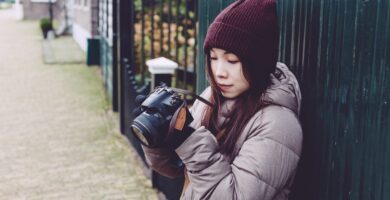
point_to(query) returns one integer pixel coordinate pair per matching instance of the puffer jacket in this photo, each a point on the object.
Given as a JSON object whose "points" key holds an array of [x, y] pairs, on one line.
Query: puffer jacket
{"points": [[266, 154]]}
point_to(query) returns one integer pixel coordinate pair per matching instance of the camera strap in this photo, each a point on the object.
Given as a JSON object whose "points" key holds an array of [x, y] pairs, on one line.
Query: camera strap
{"points": [[182, 117], [186, 92]]}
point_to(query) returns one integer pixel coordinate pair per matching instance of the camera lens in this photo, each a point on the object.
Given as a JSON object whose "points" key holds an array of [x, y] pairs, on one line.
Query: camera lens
{"points": [[150, 126], [144, 129], [139, 134]]}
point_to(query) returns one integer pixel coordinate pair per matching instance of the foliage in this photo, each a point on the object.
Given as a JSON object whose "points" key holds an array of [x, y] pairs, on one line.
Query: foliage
{"points": [[45, 24], [169, 29]]}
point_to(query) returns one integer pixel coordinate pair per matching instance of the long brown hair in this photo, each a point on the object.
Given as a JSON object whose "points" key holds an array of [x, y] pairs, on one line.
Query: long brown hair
{"points": [[245, 106]]}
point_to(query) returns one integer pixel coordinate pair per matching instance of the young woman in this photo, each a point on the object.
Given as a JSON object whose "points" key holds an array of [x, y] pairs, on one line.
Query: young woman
{"points": [[248, 145]]}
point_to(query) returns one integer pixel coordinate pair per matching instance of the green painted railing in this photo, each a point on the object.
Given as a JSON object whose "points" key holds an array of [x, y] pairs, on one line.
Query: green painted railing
{"points": [[106, 48], [340, 52], [106, 64]]}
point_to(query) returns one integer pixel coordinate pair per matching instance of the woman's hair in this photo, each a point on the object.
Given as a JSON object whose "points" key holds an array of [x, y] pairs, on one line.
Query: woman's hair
{"points": [[245, 106]]}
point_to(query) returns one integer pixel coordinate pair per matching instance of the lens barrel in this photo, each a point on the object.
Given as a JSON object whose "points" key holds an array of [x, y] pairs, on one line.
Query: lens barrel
{"points": [[139, 132], [144, 127]]}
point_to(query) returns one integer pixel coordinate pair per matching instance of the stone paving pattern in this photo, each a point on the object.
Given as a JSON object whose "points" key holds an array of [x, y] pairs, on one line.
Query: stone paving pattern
{"points": [[58, 139]]}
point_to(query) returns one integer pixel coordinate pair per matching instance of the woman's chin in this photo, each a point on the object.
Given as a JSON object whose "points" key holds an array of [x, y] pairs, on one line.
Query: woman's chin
{"points": [[228, 95]]}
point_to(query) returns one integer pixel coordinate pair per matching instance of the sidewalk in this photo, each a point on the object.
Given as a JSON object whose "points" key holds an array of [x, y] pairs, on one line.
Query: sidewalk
{"points": [[62, 50], [57, 138]]}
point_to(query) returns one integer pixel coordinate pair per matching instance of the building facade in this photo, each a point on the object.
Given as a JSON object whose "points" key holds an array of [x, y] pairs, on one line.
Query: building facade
{"points": [[84, 15], [38, 9]]}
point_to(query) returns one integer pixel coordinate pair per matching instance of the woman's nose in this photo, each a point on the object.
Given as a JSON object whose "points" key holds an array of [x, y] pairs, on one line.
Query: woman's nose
{"points": [[220, 70]]}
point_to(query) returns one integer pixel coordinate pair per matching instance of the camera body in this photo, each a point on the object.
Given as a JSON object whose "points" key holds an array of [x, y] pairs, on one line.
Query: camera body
{"points": [[152, 125]]}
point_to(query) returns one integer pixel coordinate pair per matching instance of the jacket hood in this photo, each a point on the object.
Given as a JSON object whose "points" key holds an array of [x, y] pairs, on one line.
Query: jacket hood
{"points": [[284, 90]]}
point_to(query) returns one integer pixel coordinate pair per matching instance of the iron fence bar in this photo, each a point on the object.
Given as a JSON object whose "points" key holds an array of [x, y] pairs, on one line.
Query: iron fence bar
{"points": [[169, 28], [115, 68], [142, 65], [195, 43], [126, 32], [161, 28], [152, 32], [177, 30], [186, 35]]}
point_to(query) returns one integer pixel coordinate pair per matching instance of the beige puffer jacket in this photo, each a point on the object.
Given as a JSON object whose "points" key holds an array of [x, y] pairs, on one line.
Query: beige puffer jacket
{"points": [[265, 158]]}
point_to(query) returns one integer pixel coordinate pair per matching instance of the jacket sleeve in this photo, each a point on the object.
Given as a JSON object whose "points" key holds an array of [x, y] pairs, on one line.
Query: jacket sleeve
{"points": [[163, 160], [264, 165]]}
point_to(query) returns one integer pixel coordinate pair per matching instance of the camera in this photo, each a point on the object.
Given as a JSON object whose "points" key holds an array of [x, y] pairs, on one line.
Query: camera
{"points": [[152, 125]]}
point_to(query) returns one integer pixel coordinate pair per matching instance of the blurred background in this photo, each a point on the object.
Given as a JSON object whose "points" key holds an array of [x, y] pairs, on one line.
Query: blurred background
{"points": [[339, 51]]}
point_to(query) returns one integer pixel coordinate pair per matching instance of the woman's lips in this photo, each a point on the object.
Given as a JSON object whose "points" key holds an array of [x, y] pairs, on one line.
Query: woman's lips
{"points": [[224, 87]]}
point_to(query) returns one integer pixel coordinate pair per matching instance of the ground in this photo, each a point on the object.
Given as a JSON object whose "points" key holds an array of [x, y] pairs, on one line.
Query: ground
{"points": [[58, 138]]}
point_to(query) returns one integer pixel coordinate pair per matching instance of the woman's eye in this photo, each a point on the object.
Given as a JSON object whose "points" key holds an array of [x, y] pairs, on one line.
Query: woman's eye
{"points": [[213, 58], [233, 61]]}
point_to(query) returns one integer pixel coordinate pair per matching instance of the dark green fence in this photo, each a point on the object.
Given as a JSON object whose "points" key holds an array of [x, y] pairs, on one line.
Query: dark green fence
{"points": [[340, 52], [107, 33]]}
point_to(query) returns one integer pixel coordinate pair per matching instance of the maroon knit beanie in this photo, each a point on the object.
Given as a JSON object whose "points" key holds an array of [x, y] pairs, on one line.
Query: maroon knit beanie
{"points": [[249, 29]]}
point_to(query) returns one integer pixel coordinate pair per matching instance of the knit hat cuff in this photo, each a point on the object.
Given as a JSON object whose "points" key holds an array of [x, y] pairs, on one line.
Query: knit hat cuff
{"points": [[229, 38]]}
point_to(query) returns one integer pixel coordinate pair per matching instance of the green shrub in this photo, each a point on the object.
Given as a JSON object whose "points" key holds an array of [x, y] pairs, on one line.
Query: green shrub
{"points": [[46, 24]]}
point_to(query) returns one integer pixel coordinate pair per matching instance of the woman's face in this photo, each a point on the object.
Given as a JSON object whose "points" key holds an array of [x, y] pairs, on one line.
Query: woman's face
{"points": [[227, 72]]}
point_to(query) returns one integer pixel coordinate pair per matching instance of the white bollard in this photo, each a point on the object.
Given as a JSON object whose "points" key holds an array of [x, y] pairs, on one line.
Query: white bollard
{"points": [[161, 70]]}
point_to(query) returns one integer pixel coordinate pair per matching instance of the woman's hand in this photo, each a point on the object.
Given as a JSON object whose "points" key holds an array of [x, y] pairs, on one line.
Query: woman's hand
{"points": [[179, 129]]}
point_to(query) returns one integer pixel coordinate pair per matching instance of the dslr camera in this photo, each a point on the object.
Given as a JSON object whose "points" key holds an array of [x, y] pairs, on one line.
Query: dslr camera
{"points": [[151, 127]]}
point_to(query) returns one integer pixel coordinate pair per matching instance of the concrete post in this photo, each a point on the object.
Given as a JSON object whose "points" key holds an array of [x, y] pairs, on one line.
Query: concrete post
{"points": [[161, 70]]}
